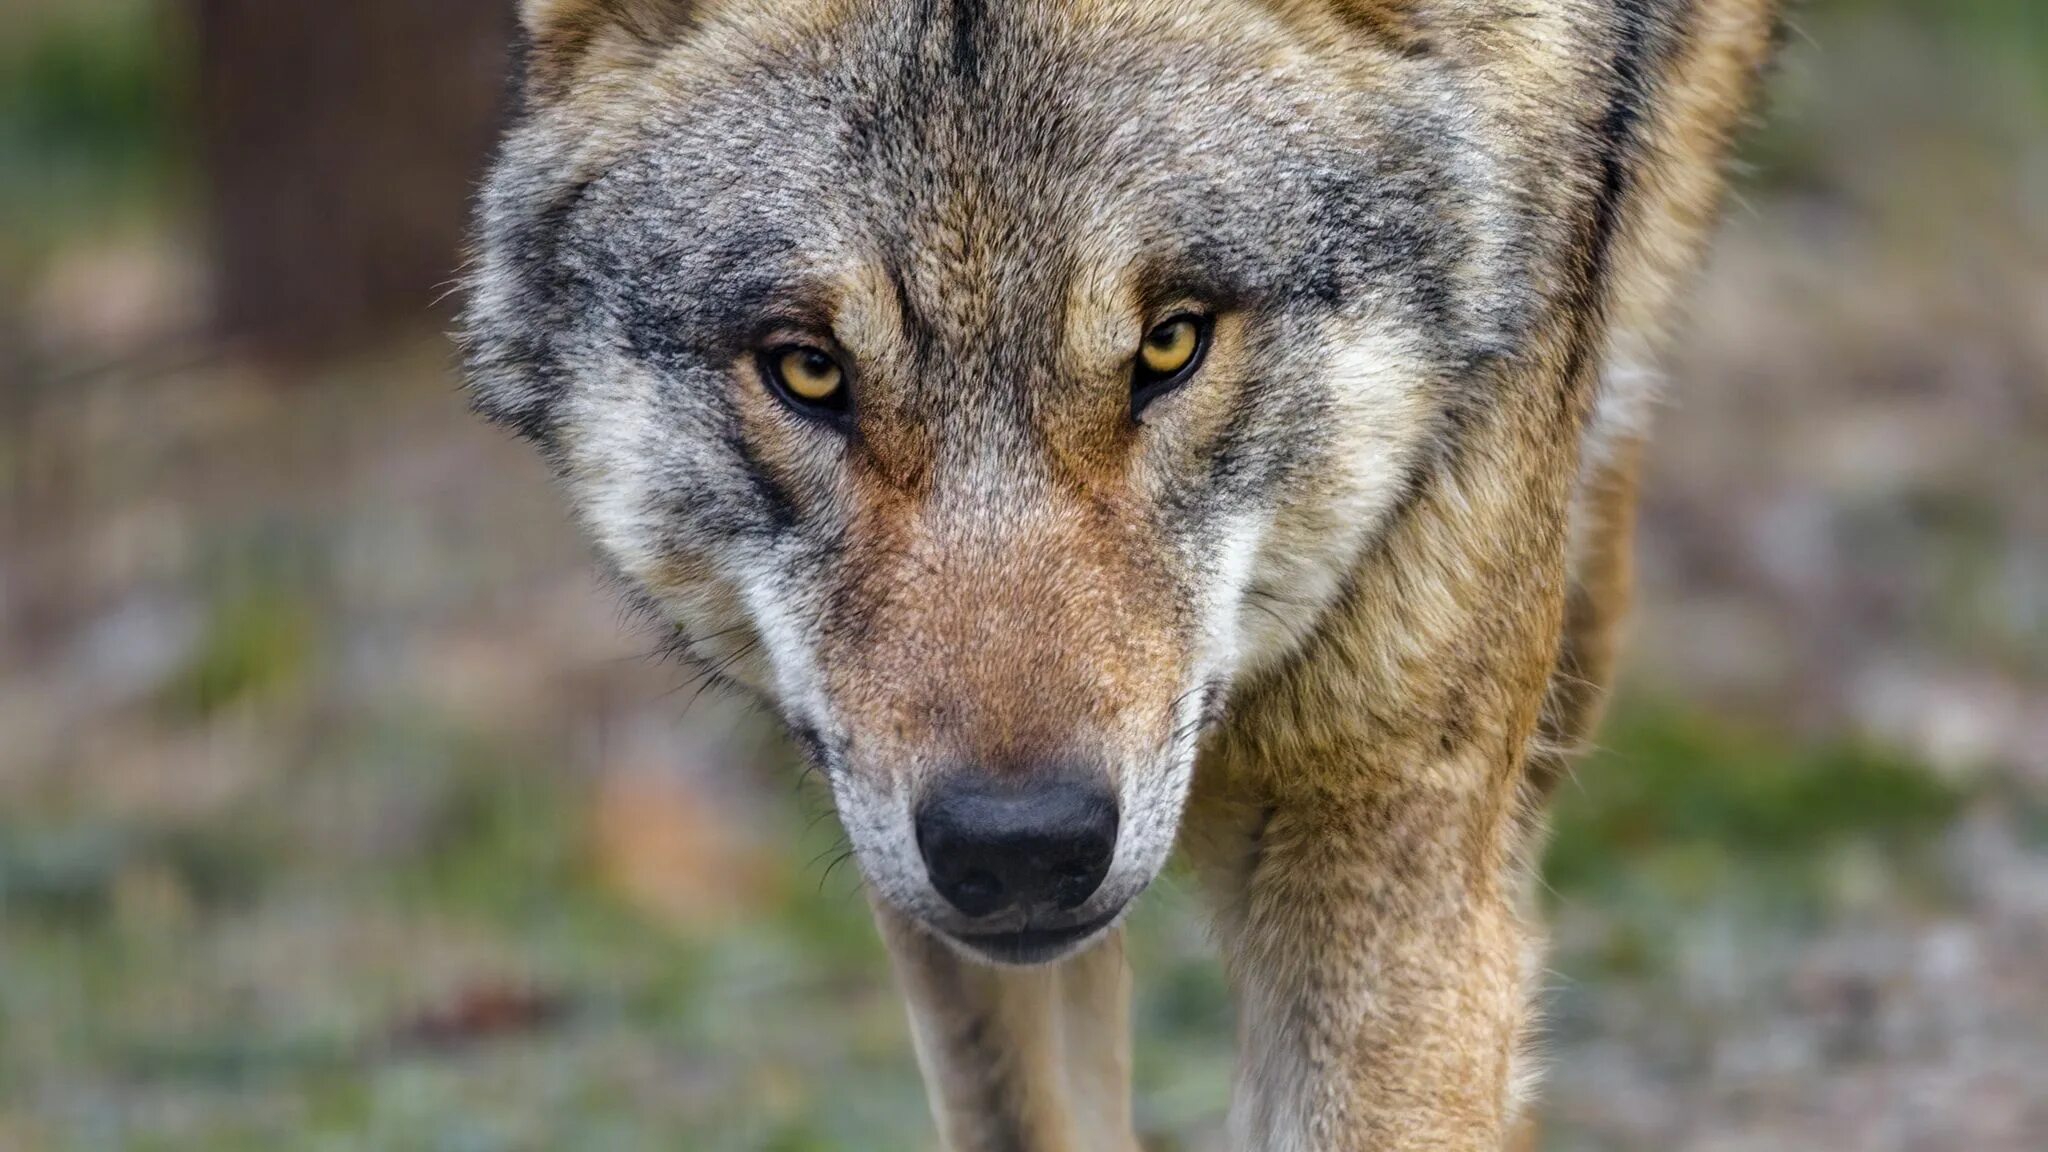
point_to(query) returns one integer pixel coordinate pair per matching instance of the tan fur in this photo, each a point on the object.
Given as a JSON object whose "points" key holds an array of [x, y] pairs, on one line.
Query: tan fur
{"points": [[1603, 572], [1357, 814]]}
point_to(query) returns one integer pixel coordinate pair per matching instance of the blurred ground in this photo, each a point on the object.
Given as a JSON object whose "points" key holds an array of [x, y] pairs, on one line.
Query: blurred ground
{"points": [[339, 809]]}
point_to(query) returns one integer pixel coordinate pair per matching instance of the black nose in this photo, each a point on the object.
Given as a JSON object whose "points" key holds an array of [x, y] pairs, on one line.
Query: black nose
{"points": [[994, 846]]}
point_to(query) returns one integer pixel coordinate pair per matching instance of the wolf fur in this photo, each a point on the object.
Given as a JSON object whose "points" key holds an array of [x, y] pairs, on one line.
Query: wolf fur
{"points": [[1327, 618]]}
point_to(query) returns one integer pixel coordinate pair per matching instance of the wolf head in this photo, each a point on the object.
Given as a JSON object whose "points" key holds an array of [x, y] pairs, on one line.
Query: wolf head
{"points": [[986, 386]]}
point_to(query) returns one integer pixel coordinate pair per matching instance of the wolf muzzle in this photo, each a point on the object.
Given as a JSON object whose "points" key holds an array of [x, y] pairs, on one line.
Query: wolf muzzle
{"points": [[1019, 856]]}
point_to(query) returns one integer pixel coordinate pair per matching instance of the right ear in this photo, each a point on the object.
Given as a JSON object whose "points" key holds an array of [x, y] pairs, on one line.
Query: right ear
{"points": [[563, 35]]}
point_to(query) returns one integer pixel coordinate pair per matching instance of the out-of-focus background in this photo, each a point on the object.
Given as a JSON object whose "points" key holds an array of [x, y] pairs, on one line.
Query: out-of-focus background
{"points": [[339, 809]]}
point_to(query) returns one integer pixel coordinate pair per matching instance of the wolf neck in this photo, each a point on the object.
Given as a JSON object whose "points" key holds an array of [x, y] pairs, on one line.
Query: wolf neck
{"points": [[1430, 672], [1423, 685]]}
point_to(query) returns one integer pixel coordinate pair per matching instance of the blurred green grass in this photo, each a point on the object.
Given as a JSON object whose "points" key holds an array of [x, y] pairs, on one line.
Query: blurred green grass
{"points": [[1683, 799], [246, 981]]}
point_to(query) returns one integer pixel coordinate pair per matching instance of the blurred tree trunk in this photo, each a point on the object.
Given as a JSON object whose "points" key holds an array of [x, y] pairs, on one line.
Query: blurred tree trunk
{"points": [[341, 142]]}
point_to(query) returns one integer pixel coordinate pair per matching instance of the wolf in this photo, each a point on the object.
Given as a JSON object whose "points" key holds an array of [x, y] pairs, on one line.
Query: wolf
{"points": [[1102, 427]]}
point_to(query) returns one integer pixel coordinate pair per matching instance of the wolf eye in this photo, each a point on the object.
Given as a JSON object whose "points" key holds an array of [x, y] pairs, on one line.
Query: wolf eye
{"points": [[807, 378], [1168, 358]]}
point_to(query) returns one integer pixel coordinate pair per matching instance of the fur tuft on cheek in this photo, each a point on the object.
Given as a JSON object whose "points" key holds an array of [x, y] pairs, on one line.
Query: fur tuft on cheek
{"points": [[1382, 425]]}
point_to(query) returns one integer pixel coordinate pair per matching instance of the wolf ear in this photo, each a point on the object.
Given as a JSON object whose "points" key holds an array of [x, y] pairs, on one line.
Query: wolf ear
{"points": [[542, 16], [562, 34]]}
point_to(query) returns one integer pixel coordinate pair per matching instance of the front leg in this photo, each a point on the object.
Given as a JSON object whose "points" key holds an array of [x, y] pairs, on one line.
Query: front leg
{"points": [[1020, 1059], [1379, 967]]}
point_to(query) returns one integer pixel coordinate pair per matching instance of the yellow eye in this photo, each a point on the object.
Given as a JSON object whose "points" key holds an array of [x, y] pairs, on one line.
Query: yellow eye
{"points": [[808, 376], [1167, 359], [1171, 346]]}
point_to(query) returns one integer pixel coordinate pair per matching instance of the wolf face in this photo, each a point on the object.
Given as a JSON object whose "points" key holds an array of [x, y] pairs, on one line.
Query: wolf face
{"points": [[986, 386]]}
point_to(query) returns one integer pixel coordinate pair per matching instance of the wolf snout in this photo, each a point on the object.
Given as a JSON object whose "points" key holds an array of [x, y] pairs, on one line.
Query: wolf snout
{"points": [[998, 846]]}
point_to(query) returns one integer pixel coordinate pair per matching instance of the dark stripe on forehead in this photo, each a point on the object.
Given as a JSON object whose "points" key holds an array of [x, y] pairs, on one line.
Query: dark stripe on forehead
{"points": [[963, 23], [967, 26]]}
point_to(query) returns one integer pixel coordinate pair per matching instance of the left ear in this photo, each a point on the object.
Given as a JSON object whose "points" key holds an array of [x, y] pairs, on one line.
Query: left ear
{"points": [[563, 35]]}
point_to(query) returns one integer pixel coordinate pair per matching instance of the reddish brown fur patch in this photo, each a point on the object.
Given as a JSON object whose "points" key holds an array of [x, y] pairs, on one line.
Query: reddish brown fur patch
{"points": [[1002, 648]]}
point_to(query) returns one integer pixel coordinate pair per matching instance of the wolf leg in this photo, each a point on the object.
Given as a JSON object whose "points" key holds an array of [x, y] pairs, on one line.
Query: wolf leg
{"points": [[1016, 1059], [1602, 579], [1379, 975]]}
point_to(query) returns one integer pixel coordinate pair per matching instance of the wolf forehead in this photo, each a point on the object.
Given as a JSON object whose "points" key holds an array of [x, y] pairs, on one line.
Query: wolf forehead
{"points": [[676, 198]]}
